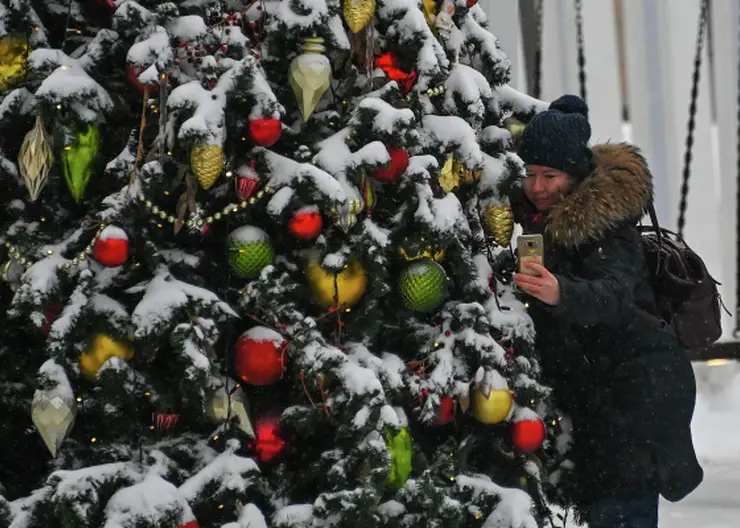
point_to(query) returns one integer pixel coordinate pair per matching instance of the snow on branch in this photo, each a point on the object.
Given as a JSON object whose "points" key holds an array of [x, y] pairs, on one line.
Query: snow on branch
{"points": [[285, 171], [163, 295], [69, 85], [228, 472]]}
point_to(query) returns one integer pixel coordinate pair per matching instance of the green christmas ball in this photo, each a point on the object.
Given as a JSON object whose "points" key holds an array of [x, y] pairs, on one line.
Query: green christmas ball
{"points": [[400, 447], [250, 251], [423, 285]]}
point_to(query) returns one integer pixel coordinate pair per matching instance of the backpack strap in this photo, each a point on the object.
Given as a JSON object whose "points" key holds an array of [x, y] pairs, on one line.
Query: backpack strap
{"points": [[656, 225]]}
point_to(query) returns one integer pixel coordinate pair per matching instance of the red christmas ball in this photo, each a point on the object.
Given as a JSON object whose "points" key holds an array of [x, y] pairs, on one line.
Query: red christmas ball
{"points": [[265, 132], [528, 435], [306, 223], [398, 164], [190, 524], [132, 74], [268, 443], [446, 412], [111, 247], [258, 359]]}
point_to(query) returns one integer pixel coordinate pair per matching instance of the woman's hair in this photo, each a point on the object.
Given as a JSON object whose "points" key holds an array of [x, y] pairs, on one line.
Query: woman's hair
{"points": [[558, 138]]}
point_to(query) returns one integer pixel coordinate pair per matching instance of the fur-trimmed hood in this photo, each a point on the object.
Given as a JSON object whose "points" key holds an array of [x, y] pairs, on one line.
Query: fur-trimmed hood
{"points": [[619, 189]]}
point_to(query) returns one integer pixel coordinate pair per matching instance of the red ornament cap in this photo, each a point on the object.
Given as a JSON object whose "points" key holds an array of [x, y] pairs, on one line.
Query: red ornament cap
{"points": [[528, 435], [111, 247], [265, 132], [306, 223], [397, 166]]}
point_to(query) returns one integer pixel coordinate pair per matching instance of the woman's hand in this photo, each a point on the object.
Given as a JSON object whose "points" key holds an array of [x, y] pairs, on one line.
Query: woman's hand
{"points": [[545, 287]]}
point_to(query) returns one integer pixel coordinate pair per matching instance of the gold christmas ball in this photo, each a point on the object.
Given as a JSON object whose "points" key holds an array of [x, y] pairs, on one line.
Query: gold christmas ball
{"points": [[101, 350], [499, 222], [495, 408], [13, 52], [358, 13], [340, 290], [207, 162]]}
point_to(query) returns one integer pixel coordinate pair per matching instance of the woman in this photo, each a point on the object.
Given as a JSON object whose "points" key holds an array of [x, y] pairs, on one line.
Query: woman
{"points": [[615, 369]]}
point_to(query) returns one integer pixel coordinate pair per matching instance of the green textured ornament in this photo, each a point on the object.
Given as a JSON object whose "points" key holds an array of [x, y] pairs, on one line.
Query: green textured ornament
{"points": [[250, 251], [423, 285], [78, 160], [400, 446]]}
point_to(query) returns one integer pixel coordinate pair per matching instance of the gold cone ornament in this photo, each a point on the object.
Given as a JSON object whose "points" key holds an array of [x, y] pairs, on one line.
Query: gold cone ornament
{"points": [[207, 162], [499, 222], [53, 414], [13, 55], [310, 75], [336, 290], [358, 13], [35, 159], [225, 405], [454, 174]]}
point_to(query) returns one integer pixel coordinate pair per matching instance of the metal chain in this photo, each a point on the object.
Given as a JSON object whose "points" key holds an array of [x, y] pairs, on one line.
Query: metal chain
{"points": [[703, 19], [537, 88], [581, 51]]}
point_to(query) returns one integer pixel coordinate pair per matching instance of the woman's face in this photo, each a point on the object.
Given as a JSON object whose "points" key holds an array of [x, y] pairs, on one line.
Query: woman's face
{"points": [[545, 186]]}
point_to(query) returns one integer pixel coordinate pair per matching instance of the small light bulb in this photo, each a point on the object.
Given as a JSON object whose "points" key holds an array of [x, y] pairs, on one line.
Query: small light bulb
{"points": [[93, 440]]}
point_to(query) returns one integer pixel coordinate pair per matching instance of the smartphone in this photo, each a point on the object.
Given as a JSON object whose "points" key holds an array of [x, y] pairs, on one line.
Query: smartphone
{"points": [[530, 248]]}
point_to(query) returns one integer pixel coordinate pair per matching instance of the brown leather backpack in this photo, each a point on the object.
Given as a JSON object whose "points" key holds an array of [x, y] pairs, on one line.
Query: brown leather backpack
{"points": [[686, 294]]}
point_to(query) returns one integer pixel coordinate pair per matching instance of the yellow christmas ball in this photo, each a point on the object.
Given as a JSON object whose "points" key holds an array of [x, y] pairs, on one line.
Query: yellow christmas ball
{"points": [[207, 162], [101, 350], [340, 290], [495, 408]]}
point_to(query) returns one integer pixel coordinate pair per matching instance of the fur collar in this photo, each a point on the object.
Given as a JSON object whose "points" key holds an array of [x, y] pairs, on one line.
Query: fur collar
{"points": [[619, 189]]}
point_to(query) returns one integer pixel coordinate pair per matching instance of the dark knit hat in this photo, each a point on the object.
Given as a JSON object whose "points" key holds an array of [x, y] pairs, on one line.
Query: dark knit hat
{"points": [[558, 138]]}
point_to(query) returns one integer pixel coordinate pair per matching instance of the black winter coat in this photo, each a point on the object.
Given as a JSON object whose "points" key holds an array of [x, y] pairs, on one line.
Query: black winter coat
{"points": [[623, 378]]}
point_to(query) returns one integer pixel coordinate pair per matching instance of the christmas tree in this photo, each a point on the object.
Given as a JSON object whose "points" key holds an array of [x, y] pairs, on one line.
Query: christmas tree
{"points": [[256, 268]]}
